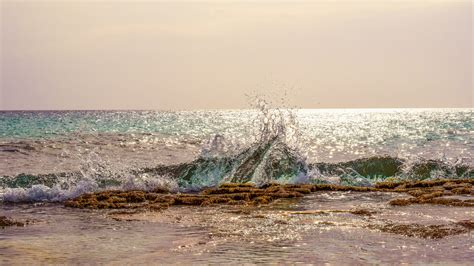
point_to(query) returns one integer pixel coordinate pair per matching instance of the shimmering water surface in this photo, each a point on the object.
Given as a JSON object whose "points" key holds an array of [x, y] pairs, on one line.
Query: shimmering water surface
{"points": [[279, 233], [112, 144], [49, 156]]}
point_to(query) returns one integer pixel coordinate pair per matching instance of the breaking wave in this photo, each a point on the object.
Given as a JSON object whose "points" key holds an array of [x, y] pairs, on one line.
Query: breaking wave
{"points": [[260, 165]]}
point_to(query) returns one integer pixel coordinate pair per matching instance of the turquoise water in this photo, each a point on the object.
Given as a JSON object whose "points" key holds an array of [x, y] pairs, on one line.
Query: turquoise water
{"points": [[53, 155], [49, 124], [430, 124]]}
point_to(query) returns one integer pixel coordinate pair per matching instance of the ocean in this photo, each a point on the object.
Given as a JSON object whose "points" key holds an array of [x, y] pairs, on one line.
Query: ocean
{"points": [[53, 151], [48, 157]]}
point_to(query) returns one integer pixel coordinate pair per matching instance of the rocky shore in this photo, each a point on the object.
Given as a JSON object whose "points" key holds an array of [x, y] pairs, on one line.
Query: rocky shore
{"points": [[248, 199], [439, 192], [6, 221]]}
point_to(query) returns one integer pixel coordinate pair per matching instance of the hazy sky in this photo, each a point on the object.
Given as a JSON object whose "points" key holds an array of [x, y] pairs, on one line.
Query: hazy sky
{"points": [[206, 55]]}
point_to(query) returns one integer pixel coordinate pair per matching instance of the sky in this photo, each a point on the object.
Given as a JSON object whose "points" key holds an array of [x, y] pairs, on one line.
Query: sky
{"points": [[177, 55]]}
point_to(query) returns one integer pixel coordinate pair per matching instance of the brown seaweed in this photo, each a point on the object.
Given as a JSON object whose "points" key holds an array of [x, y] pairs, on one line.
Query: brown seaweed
{"points": [[5, 221], [421, 192]]}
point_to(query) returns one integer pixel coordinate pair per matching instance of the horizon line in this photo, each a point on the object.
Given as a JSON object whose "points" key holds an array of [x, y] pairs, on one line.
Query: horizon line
{"points": [[230, 109]]}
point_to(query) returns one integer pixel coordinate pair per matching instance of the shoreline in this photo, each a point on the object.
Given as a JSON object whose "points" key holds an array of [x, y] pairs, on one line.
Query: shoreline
{"points": [[322, 226], [277, 223]]}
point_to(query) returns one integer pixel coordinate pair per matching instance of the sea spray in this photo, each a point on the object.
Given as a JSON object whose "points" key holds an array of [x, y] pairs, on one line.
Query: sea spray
{"points": [[272, 157]]}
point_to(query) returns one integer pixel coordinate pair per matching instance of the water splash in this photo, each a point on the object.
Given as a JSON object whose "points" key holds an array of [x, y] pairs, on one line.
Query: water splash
{"points": [[96, 173], [274, 156]]}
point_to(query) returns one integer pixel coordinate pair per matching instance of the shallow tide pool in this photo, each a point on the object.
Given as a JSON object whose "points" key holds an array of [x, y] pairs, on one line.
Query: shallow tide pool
{"points": [[319, 228]]}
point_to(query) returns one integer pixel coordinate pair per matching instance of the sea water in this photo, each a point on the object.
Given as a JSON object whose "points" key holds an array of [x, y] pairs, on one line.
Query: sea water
{"points": [[48, 154], [47, 157]]}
